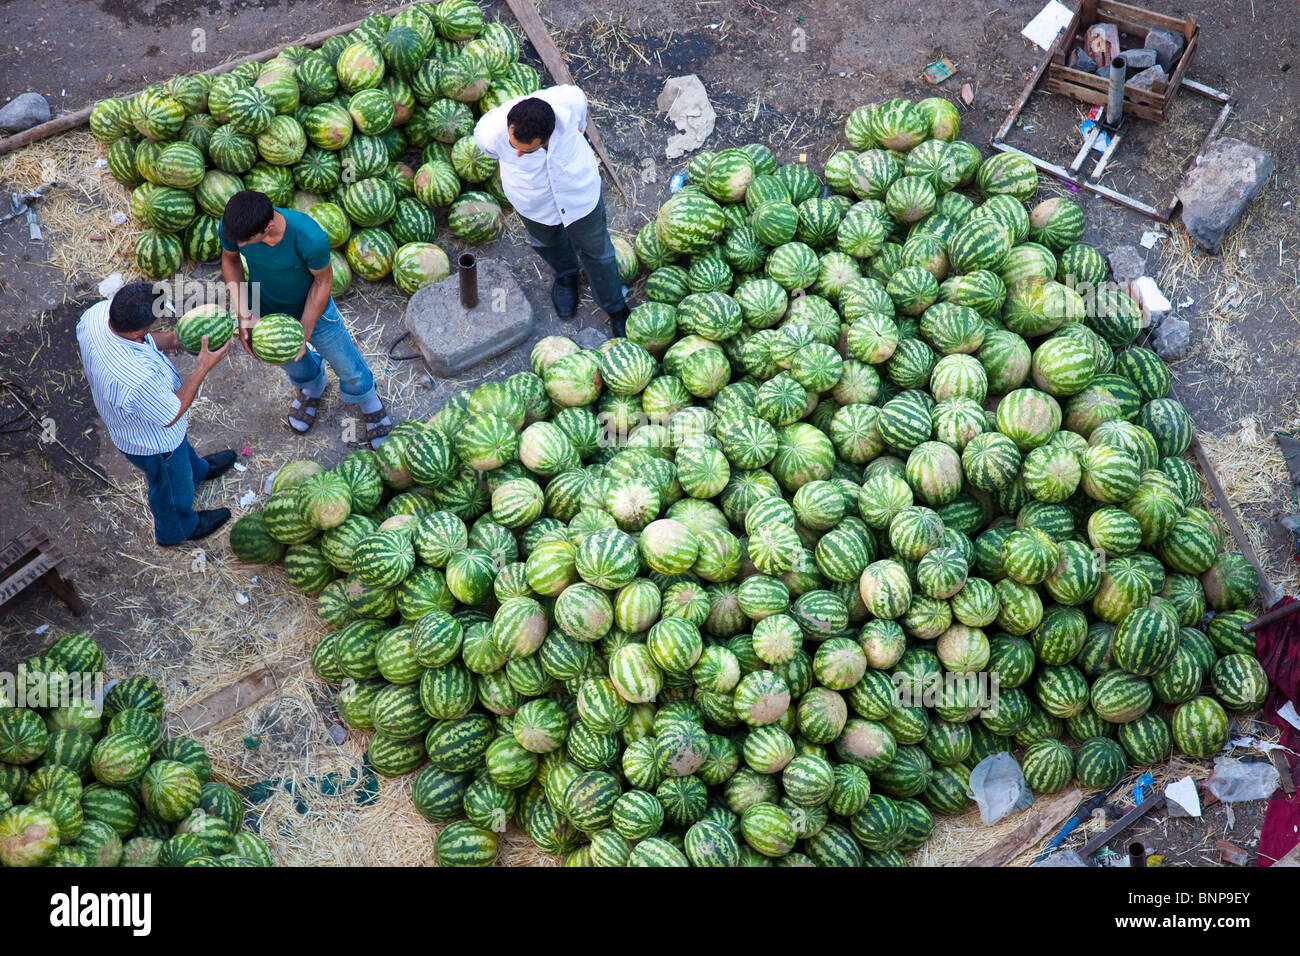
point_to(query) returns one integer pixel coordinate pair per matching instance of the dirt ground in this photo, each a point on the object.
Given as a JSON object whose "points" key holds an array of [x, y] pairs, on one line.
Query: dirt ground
{"points": [[777, 72]]}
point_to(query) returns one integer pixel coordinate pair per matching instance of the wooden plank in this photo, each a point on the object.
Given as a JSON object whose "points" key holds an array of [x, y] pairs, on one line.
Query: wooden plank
{"points": [[1112, 8], [1131, 93], [1180, 72], [20, 547], [62, 124], [225, 703], [553, 60], [18, 582], [1099, 98], [1266, 590], [1030, 832]]}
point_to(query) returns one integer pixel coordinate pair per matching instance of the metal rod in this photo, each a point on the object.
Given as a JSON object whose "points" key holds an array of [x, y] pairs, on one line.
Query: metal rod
{"points": [[1137, 855], [468, 271], [1122, 824], [1115, 94], [1276, 614]]}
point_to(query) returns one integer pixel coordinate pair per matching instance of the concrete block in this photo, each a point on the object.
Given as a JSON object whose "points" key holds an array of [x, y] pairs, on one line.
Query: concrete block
{"points": [[1167, 45], [452, 338], [1217, 190]]}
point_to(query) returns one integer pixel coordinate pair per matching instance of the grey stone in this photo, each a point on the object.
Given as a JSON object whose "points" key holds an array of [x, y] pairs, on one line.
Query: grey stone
{"points": [[1167, 46], [1137, 60], [590, 338], [1173, 338], [1147, 78], [1216, 191], [23, 112], [1079, 60], [1126, 264], [452, 338]]}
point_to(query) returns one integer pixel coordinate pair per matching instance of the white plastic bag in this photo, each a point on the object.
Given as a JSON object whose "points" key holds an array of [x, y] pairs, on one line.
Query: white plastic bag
{"points": [[999, 787]]}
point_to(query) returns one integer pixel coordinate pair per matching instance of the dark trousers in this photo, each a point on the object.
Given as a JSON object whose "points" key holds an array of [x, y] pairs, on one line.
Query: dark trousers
{"points": [[586, 241], [172, 478]]}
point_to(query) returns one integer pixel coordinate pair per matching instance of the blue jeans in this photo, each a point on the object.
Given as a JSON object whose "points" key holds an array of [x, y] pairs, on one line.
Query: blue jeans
{"points": [[172, 478], [586, 239], [331, 341]]}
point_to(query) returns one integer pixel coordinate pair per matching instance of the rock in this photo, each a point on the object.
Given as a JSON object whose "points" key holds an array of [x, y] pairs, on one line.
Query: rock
{"points": [[1172, 340], [1216, 191], [1102, 42], [687, 104], [1079, 60], [23, 112], [452, 338], [1167, 46], [1147, 78], [590, 338], [1127, 263], [1137, 60]]}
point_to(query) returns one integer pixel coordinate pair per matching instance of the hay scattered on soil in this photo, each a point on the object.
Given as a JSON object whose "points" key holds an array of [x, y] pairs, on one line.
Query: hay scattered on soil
{"points": [[76, 217]]}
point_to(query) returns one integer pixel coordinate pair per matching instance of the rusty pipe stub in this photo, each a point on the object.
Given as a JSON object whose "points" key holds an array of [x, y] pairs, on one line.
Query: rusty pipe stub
{"points": [[467, 267], [1137, 855]]}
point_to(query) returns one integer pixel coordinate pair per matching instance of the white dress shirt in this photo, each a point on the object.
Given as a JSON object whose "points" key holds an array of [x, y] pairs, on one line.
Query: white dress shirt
{"points": [[558, 183], [133, 384]]}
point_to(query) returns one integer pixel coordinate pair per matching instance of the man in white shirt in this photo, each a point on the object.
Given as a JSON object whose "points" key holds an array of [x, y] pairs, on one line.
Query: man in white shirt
{"points": [[551, 177], [143, 403]]}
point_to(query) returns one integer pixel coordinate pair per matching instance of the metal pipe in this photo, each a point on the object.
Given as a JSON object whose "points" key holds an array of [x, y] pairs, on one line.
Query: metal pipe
{"points": [[1115, 103], [468, 270], [1137, 855]]}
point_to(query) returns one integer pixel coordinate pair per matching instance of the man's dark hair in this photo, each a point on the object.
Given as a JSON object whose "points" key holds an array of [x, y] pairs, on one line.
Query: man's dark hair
{"points": [[247, 213], [136, 306], [532, 119]]}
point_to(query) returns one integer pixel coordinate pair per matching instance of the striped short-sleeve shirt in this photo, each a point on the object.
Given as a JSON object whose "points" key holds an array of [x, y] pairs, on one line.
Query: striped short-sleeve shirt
{"points": [[133, 384]]}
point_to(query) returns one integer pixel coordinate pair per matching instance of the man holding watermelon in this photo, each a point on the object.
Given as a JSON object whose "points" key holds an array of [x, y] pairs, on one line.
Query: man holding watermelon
{"points": [[143, 403], [550, 175], [288, 256]]}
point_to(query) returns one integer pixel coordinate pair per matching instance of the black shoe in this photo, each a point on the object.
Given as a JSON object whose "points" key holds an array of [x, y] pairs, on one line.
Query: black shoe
{"points": [[564, 293], [618, 323], [209, 521], [219, 463]]}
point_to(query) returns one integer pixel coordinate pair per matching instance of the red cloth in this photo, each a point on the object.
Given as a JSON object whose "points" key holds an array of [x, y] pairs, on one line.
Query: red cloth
{"points": [[1277, 646]]}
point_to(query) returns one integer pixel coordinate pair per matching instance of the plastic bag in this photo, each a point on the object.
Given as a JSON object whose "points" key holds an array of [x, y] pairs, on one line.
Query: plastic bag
{"points": [[1236, 780], [999, 787]]}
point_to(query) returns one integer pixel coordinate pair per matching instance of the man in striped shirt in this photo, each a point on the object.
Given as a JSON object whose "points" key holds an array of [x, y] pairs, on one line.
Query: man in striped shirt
{"points": [[143, 403]]}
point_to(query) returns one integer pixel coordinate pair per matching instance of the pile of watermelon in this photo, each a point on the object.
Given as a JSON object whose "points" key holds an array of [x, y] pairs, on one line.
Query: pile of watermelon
{"points": [[876, 486], [88, 785], [369, 135]]}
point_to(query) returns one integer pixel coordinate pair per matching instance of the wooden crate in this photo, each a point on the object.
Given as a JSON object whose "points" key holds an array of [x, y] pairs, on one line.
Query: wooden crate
{"points": [[1153, 104]]}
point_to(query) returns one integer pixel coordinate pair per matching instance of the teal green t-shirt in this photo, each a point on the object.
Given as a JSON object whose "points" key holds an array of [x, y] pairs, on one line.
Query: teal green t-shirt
{"points": [[282, 271]]}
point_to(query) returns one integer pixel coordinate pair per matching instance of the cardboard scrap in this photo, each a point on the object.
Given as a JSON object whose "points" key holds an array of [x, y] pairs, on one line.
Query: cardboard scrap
{"points": [[1047, 23], [687, 105]]}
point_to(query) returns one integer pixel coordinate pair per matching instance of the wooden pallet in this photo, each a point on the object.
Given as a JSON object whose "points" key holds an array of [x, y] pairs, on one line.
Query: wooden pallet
{"points": [[29, 559]]}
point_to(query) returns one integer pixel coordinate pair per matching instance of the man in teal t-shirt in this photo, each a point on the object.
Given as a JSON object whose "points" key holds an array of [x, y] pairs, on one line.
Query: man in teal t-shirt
{"points": [[288, 256]]}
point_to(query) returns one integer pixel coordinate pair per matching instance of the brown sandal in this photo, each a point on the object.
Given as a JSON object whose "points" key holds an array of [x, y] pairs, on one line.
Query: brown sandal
{"points": [[302, 409], [374, 428]]}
